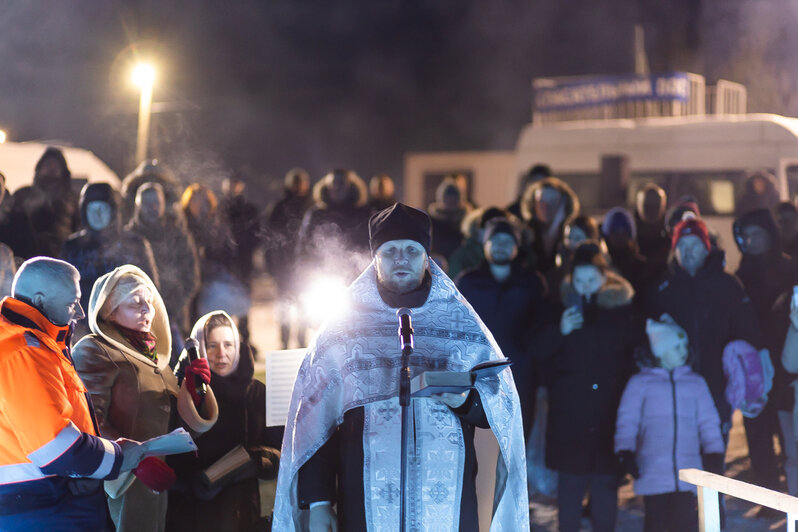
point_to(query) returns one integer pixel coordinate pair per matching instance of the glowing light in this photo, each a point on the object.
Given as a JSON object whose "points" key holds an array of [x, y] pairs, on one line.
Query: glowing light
{"points": [[325, 297], [144, 75], [3, 136]]}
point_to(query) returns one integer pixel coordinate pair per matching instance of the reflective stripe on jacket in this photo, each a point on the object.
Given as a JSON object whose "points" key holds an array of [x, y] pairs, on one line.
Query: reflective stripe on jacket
{"points": [[47, 425]]}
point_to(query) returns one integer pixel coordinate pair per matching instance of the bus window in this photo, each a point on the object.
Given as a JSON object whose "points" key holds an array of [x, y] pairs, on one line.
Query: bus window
{"points": [[587, 188]]}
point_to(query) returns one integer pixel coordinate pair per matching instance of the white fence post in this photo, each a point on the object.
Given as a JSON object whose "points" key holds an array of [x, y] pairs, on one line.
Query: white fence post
{"points": [[708, 510]]}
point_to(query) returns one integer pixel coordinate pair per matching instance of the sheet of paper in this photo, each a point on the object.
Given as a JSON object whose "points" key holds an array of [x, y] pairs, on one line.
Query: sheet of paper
{"points": [[176, 442], [281, 370]]}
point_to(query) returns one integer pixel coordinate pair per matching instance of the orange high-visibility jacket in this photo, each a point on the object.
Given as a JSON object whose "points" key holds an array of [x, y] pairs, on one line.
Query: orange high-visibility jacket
{"points": [[47, 425]]}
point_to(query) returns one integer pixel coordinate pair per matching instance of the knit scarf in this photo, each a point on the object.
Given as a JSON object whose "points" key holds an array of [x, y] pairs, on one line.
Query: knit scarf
{"points": [[143, 342]]}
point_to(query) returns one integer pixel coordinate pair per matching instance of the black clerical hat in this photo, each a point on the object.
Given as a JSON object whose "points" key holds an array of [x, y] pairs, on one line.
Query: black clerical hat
{"points": [[399, 222]]}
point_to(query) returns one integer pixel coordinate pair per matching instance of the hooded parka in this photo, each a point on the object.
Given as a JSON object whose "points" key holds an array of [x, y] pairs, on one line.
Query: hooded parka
{"points": [[134, 397]]}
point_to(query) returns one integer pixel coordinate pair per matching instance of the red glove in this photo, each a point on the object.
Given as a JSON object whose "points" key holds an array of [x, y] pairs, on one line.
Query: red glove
{"points": [[155, 474], [201, 369]]}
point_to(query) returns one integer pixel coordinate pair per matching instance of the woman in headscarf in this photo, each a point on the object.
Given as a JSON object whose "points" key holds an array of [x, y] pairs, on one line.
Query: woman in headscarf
{"points": [[199, 502], [124, 365]]}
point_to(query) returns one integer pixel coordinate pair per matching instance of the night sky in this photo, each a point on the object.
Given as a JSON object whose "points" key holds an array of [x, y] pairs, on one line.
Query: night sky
{"points": [[257, 87]]}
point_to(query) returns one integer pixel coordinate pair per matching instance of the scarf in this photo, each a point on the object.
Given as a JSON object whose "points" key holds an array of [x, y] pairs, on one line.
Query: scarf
{"points": [[143, 342]]}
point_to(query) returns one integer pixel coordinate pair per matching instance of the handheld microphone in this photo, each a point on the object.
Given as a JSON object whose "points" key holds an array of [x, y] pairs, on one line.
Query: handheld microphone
{"points": [[405, 330], [192, 350]]}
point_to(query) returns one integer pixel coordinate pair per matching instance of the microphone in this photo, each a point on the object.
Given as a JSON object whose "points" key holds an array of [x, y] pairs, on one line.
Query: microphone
{"points": [[192, 350], [405, 330]]}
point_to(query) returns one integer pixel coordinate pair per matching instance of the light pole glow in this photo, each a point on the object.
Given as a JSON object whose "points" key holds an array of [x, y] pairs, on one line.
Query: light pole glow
{"points": [[144, 78], [3, 136]]}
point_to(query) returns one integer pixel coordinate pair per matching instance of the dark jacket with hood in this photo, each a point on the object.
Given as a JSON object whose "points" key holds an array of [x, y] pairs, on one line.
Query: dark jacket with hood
{"points": [[766, 278], [280, 237], [654, 243], [329, 227], [95, 253], [243, 217], [194, 506], [177, 262], [45, 213], [713, 309], [545, 259], [151, 172], [588, 370], [447, 233]]}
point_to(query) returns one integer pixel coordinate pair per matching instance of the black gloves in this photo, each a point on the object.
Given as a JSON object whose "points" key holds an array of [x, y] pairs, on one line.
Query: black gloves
{"points": [[713, 462], [628, 463]]}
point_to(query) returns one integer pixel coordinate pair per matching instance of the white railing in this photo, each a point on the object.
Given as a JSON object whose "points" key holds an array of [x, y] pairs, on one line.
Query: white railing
{"points": [[710, 485]]}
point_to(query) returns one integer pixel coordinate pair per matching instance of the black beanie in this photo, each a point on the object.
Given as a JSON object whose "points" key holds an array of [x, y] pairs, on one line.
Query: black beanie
{"points": [[501, 225], [399, 222]]}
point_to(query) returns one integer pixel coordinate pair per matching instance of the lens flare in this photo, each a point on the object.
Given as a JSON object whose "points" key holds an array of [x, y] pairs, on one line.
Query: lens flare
{"points": [[326, 297]]}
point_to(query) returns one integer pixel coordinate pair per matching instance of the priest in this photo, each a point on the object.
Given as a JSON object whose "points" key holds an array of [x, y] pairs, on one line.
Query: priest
{"points": [[341, 451]]}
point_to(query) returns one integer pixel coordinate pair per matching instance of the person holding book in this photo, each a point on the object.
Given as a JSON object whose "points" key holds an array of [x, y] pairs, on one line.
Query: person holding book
{"points": [[588, 353], [341, 451], [667, 421], [124, 365], [217, 488]]}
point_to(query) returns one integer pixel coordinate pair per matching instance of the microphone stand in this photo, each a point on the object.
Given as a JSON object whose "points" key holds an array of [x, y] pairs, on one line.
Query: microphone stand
{"points": [[404, 403]]}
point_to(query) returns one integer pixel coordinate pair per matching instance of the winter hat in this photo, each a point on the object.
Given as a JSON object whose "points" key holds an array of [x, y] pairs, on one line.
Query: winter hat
{"points": [[749, 377], [678, 213], [127, 284], [99, 192], [589, 253], [664, 335], [501, 225], [619, 219], [56, 154], [399, 222], [489, 214], [759, 217], [692, 226]]}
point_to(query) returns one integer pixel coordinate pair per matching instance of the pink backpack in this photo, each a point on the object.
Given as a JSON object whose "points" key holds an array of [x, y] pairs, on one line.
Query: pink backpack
{"points": [[749, 377]]}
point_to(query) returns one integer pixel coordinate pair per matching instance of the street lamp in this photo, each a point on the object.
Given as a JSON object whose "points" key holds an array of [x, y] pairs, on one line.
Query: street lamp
{"points": [[144, 77], [3, 136]]}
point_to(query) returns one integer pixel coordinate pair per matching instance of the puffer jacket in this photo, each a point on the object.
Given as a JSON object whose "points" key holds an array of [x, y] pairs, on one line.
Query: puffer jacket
{"points": [[668, 418]]}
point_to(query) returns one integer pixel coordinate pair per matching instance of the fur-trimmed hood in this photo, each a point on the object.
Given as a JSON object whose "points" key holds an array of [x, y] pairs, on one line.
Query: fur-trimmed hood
{"points": [[572, 206], [616, 292], [160, 322], [358, 192]]}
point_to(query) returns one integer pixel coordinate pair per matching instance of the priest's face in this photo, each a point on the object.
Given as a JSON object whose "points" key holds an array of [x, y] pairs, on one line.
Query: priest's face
{"points": [[401, 265]]}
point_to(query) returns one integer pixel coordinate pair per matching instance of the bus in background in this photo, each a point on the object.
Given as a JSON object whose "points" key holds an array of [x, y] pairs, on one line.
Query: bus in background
{"points": [[608, 136]]}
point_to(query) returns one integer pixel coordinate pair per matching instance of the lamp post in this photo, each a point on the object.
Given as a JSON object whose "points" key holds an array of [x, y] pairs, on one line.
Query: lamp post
{"points": [[144, 77]]}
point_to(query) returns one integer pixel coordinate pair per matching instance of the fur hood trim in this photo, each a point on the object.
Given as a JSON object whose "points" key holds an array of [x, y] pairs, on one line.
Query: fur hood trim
{"points": [[572, 206], [615, 293], [358, 192]]}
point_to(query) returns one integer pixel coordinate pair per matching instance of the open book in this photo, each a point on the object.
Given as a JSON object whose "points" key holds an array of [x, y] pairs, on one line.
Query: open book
{"points": [[435, 382]]}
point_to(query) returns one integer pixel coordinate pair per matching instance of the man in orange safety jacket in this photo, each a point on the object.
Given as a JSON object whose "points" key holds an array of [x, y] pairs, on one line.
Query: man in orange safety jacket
{"points": [[52, 461]]}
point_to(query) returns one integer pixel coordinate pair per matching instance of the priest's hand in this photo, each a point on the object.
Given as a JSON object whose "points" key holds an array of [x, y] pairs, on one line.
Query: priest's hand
{"points": [[452, 400], [322, 518]]}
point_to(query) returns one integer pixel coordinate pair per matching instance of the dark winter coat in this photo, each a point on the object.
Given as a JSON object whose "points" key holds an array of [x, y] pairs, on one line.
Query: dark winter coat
{"points": [[329, 228], [243, 218], [242, 421], [280, 238], [766, 278], [509, 309], [178, 264], [654, 243], [44, 214], [95, 253], [447, 235], [588, 370], [713, 309], [545, 259]]}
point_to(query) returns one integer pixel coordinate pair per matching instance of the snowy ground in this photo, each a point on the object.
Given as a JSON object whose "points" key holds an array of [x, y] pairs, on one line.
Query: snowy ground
{"points": [[265, 336]]}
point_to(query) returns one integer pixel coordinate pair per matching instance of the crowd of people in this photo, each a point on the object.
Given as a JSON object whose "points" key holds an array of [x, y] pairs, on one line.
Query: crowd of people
{"points": [[630, 327]]}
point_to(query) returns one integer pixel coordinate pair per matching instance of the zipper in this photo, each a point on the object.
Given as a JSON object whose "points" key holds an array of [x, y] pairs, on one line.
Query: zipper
{"points": [[675, 431]]}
